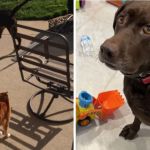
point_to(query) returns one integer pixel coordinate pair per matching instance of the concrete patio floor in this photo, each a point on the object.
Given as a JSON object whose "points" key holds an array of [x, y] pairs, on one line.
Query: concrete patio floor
{"points": [[27, 132]]}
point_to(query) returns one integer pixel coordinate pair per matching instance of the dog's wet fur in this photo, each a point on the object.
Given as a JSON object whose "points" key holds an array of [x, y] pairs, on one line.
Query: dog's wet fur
{"points": [[4, 113], [8, 20], [129, 52]]}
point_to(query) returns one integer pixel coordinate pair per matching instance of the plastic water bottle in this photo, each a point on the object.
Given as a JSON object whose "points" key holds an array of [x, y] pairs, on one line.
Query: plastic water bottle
{"points": [[87, 46]]}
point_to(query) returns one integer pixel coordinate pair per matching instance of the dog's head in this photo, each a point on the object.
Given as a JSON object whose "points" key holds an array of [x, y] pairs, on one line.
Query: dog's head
{"points": [[129, 49]]}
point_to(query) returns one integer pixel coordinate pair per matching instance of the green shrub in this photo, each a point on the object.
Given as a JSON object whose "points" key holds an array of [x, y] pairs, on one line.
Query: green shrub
{"points": [[37, 9]]}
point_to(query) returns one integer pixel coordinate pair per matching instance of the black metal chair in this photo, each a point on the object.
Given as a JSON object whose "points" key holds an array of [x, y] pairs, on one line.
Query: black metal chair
{"points": [[47, 66]]}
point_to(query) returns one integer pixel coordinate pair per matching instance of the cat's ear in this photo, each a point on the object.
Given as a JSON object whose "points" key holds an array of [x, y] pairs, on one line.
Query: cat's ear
{"points": [[6, 93]]}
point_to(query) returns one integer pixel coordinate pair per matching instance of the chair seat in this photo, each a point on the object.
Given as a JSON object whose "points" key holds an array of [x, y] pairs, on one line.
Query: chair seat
{"points": [[48, 66]]}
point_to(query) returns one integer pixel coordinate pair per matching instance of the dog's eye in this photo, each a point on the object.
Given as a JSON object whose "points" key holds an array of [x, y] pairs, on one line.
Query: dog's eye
{"points": [[146, 29], [121, 20]]}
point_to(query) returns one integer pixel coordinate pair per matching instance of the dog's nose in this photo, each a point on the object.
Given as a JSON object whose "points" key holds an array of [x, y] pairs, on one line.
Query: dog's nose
{"points": [[106, 52]]}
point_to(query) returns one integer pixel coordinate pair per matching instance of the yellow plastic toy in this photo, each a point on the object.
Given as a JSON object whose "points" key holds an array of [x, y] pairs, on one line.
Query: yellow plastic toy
{"points": [[84, 114], [87, 107]]}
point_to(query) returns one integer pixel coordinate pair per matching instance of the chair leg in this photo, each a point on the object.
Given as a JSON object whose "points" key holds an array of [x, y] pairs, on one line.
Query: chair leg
{"points": [[39, 110], [41, 102], [49, 104]]}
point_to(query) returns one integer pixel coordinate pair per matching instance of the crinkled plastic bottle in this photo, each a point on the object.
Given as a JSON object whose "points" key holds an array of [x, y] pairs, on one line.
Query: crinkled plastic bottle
{"points": [[87, 46]]}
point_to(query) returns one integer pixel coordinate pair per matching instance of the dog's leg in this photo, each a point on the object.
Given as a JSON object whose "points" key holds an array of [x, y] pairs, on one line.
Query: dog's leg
{"points": [[1, 31], [130, 131], [13, 32], [19, 41], [16, 46]]}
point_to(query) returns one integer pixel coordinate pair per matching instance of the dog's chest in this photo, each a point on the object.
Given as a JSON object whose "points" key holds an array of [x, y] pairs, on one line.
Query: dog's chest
{"points": [[4, 18], [138, 97], [4, 21], [140, 106]]}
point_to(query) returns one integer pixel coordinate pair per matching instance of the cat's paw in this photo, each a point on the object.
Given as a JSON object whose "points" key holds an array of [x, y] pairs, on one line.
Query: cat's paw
{"points": [[1, 132], [8, 135]]}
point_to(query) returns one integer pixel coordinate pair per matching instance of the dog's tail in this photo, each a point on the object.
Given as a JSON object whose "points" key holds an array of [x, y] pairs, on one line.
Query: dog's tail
{"points": [[18, 7]]}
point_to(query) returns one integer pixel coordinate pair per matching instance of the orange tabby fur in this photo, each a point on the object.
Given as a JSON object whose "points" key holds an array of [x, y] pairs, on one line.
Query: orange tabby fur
{"points": [[4, 113]]}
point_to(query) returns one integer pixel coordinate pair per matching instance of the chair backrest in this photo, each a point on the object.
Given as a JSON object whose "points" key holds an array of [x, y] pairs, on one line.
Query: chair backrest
{"points": [[46, 59]]}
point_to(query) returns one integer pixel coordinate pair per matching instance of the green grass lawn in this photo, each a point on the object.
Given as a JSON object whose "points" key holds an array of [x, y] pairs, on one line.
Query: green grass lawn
{"points": [[37, 9]]}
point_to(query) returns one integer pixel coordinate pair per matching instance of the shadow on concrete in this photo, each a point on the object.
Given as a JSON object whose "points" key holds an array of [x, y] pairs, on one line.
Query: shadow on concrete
{"points": [[7, 56], [28, 133], [35, 46]]}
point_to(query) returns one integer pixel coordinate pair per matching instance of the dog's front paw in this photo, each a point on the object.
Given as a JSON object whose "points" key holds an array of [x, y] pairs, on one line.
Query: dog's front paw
{"points": [[128, 132]]}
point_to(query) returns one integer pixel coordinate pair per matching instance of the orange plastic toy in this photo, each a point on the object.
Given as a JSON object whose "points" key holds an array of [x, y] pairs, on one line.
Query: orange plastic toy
{"points": [[117, 3], [109, 102], [88, 107]]}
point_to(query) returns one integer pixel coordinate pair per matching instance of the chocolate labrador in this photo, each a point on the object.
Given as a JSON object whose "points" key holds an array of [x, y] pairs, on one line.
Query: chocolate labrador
{"points": [[8, 20], [129, 52]]}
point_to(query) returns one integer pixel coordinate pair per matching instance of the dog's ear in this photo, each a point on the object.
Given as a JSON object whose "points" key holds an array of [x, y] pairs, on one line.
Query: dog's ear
{"points": [[120, 10], [116, 15]]}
